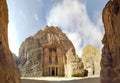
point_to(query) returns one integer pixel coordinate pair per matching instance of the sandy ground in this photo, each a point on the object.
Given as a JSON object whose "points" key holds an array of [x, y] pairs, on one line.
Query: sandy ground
{"points": [[61, 80]]}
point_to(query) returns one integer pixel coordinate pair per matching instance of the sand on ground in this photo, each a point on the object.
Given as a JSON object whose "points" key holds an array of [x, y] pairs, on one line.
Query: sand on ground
{"points": [[60, 80]]}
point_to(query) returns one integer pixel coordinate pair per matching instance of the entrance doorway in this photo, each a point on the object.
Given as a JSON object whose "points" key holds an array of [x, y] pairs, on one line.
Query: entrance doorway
{"points": [[53, 72]]}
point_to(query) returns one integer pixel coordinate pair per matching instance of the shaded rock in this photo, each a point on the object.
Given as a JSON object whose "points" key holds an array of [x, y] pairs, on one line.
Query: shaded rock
{"points": [[8, 69], [110, 63], [91, 57]]}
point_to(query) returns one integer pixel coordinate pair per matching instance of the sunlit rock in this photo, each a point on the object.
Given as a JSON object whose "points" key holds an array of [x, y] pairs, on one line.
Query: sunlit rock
{"points": [[91, 57], [44, 54]]}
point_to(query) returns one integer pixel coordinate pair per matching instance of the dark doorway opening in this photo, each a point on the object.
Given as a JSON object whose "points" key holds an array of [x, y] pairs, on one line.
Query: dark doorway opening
{"points": [[53, 72], [56, 71]]}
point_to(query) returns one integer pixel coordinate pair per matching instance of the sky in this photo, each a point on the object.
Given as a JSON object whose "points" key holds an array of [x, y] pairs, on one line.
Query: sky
{"points": [[81, 20]]}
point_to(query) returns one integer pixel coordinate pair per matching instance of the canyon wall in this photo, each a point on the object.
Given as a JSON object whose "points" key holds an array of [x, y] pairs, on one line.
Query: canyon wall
{"points": [[110, 63], [8, 70]]}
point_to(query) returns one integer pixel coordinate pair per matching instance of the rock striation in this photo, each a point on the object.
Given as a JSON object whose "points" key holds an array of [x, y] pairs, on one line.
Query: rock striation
{"points": [[8, 70], [44, 54], [91, 57], [110, 63]]}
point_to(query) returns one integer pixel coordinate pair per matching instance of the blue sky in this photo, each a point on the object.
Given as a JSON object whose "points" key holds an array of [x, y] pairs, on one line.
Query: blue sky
{"points": [[79, 19]]}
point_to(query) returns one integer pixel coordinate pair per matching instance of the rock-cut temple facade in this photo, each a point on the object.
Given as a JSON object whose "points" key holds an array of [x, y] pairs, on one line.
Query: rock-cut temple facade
{"points": [[53, 60], [48, 53]]}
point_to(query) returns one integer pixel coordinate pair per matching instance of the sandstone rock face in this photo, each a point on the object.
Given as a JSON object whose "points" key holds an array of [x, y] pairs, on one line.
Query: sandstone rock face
{"points": [[91, 58], [74, 64], [44, 53], [14, 57], [8, 70], [110, 63]]}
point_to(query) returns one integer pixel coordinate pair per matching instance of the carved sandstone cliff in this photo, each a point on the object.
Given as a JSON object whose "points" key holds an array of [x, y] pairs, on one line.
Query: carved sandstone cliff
{"points": [[44, 54], [110, 62], [8, 70]]}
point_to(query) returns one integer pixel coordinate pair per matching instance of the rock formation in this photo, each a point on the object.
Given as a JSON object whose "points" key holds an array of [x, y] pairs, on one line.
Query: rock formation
{"points": [[8, 70], [74, 65], [110, 63], [14, 57], [44, 54], [91, 57]]}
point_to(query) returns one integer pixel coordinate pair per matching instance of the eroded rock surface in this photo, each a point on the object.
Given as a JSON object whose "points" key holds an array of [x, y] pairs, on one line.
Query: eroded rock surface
{"points": [[8, 70], [74, 65], [110, 62], [91, 58], [44, 54]]}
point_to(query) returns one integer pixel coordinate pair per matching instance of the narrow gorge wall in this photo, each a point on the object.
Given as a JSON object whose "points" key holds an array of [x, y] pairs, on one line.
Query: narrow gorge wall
{"points": [[8, 70], [110, 62]]}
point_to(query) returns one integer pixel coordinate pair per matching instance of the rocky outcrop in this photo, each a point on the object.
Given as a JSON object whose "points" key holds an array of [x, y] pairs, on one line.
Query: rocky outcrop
{"points": [[8, 70], [91, 57], [44, 53], [110, 63], [74, 65]]}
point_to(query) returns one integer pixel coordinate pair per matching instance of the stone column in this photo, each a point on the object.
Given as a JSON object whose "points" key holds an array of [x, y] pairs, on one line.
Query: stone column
{"points": [[55, 70], [8, 70], [58, 72], [46, 53], [45, 71], [110, 63]]}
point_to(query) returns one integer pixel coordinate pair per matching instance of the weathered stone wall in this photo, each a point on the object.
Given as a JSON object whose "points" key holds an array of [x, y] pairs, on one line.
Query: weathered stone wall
{"points": [[73, 64], [110, 63], [91, 58], [33, 65], [8, 70]]}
